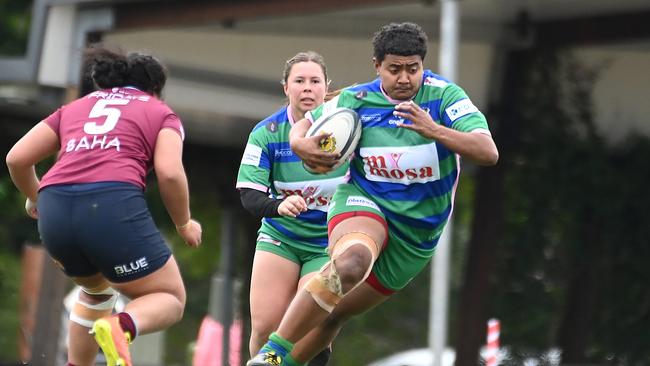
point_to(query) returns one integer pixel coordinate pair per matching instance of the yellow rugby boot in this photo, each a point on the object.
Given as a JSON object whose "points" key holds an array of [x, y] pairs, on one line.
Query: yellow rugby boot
{"points": [[113, 341]]}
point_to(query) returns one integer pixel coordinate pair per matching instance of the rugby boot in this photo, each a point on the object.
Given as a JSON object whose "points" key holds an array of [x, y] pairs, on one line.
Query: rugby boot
{"points": [[113, 341], [268, 358]]}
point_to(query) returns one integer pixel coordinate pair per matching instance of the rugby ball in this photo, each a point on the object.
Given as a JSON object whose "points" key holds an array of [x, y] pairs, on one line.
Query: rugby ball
{"points": [[345, 128]]}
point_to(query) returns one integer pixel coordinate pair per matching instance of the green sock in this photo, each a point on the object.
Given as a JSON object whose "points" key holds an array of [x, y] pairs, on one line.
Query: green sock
{"points": [[289, 361], [276, 343], [277, 339]]}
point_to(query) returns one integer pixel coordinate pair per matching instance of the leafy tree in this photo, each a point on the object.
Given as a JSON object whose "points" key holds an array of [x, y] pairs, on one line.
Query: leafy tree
{"points": [[543, 248], [15, 18], [9, 276], [14, 29], [16, 229], [570, 267]]}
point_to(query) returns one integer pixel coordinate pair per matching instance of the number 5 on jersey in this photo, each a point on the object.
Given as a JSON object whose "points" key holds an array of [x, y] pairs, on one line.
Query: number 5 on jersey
{"points": [[103, 108]]}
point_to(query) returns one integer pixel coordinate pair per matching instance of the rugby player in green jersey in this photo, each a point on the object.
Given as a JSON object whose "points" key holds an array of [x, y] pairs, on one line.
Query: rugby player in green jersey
{"points": [[292, 240], [385, 223]]}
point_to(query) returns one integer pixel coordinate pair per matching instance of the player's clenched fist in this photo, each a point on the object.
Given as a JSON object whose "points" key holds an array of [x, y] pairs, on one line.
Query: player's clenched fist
{"points": [[191, 233], [292, 206]]}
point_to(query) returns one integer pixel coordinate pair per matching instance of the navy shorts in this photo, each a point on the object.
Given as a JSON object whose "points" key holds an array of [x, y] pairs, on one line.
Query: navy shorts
{"points": [[100, 227]]}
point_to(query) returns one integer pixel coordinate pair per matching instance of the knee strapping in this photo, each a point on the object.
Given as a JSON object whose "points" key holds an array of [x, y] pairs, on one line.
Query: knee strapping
{"points": [[354, 238], [85, 314], [327, 290]]}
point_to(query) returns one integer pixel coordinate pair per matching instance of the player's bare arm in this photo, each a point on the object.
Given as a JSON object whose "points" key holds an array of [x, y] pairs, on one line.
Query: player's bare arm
{"points": [[173, 185], [39, 143], [476, 146]]}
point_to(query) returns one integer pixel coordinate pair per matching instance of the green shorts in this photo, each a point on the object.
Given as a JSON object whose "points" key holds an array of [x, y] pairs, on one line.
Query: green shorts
{"points": [[400, 261], [310, 259]]}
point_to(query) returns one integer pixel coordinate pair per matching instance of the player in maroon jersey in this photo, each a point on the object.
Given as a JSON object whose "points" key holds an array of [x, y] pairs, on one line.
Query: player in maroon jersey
{"points": [[91, 211]]}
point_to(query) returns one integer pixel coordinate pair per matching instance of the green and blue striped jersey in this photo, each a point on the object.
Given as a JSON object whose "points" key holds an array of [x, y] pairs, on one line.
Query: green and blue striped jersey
{"points": [[269, 165], [411, 178]]}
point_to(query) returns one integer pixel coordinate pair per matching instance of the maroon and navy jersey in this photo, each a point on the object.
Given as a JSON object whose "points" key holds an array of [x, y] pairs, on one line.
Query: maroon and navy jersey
{"points": [[108, 135]]}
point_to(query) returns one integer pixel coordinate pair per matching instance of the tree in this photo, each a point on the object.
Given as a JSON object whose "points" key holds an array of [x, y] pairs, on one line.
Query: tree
{"points": [[569, 256], [14, 27]]}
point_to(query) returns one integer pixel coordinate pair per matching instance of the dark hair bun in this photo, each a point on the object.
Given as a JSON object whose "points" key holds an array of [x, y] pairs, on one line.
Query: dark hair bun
{"points": [[109, 74], [147, 73], [110, 69]]}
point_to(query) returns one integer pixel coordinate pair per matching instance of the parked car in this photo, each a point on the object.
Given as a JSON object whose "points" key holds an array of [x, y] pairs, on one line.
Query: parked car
{"points": [[416, 357], [424, 357]]}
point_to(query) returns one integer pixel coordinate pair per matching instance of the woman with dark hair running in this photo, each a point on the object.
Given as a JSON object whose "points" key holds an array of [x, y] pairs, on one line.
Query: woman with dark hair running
{"points": [[385, 223], [91, 210], [273, 183]]}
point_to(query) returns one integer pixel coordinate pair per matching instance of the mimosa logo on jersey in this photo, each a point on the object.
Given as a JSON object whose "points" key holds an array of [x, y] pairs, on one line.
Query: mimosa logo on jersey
{"points": [[403, 164], [317, 194], [312, 199]]}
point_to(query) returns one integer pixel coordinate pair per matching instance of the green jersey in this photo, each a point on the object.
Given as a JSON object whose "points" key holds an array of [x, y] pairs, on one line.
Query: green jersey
{"points": [[269, 165], [411, 179]]}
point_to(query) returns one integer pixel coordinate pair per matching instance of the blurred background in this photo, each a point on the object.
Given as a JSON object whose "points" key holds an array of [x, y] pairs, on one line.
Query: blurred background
{"points": [[554, 241]]}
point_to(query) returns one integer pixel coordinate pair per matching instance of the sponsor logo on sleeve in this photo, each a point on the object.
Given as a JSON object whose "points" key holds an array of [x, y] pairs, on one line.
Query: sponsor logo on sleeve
{"points": [[431, 81], [361, 95], [273, 126], [460, 108], [252, 155], [361, 201]]}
